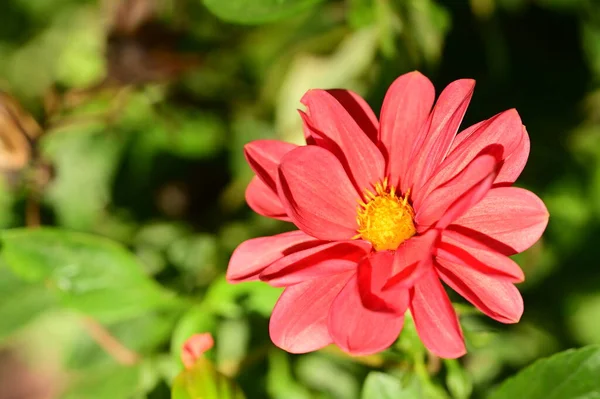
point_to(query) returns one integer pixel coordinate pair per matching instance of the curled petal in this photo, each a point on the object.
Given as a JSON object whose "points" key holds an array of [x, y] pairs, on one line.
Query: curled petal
{"points": [[315, 262], [405, 109], [317, 194], [496, 297], [444, 122], [264, 201], [385, 277], [359, 156], [358, 330], [253, 256], [438, 203], [299, 321], [435, 319], [264, 156], [504, 130], [514, 162], [412, 259], [508, 219]]}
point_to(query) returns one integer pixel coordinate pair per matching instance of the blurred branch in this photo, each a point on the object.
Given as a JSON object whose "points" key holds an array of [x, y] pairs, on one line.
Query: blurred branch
{"points": [[109, 343]]}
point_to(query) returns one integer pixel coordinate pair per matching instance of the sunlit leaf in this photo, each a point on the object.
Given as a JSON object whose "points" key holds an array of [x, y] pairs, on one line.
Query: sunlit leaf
{"points": [[205, 382], [20, 302], [90, 274], [571, 374], [79, 194], [383, 386], [257, 11], [106, 382]]}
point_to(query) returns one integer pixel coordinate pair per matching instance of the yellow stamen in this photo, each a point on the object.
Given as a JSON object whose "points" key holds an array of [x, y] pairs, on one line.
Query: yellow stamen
{"points": [[384, 219]]}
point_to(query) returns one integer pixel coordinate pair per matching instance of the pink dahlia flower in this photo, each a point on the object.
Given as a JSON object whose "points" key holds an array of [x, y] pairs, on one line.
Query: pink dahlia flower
{"points": [[385, 210]]}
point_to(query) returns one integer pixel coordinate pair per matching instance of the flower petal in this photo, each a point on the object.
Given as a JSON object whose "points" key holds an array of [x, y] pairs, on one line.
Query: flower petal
{"points": [[317, 194], [412, 259], [264, 156], [469, 199], [358, 330], [252, 256], [385, 277], [470, 252], [299, 321], [441, 199], [323, 260], [504, 129], [435, 319], [373, 273], [444, 122], [264, 201], [405, 109], [508, 219], [359, 110], [496, 297], [359, 156], [514, 162]]}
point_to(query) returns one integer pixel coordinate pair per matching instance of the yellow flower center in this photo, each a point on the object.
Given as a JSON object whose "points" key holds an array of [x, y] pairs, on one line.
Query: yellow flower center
{"points": [[385, 220]]}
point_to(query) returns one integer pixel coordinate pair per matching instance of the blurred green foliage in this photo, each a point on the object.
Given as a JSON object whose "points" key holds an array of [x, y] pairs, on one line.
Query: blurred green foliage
{"points": [[139, 177]]}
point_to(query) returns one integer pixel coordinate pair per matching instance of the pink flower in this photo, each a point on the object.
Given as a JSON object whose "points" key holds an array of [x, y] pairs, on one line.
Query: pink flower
{"points": [[385, 210]]}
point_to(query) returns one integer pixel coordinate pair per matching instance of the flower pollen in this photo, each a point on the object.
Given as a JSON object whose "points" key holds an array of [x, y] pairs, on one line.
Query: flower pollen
{"points": [[385, 220]]}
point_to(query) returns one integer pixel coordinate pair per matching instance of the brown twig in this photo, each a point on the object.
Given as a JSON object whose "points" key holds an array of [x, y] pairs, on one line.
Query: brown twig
{"points": [[110, 344]]}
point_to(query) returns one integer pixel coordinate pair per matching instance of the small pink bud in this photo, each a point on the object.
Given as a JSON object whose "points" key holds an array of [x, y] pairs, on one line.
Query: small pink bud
{"points": [[194, 347]]}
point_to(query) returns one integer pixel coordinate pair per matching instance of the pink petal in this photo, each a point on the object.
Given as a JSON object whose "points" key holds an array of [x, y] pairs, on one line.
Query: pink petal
{"points": [[194, 347], [264, 201], [435, 319], [438, 202], [496, 297], [385, 276], [299, 321], [323, 260], [405, 109], [359, 110], [412, 259], [252, 256], [514, 162], [445, 120], [504, 129], [317, 193], [468, 200], [358, 330], [359, 156], [264, 156], [470, 252], [508, 219]]}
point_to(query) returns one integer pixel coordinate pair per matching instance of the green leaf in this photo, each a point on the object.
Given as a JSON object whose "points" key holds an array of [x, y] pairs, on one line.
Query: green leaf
{"points": [[105, 383], [325, 374], [571, 374], [20, 302], [143, 334], [205, 382], [382, 386], [90, 274], [257, 11], [80, 195]]}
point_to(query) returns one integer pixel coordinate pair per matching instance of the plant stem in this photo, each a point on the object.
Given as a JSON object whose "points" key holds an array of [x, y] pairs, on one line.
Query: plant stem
{"points": [[109, 343]]}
